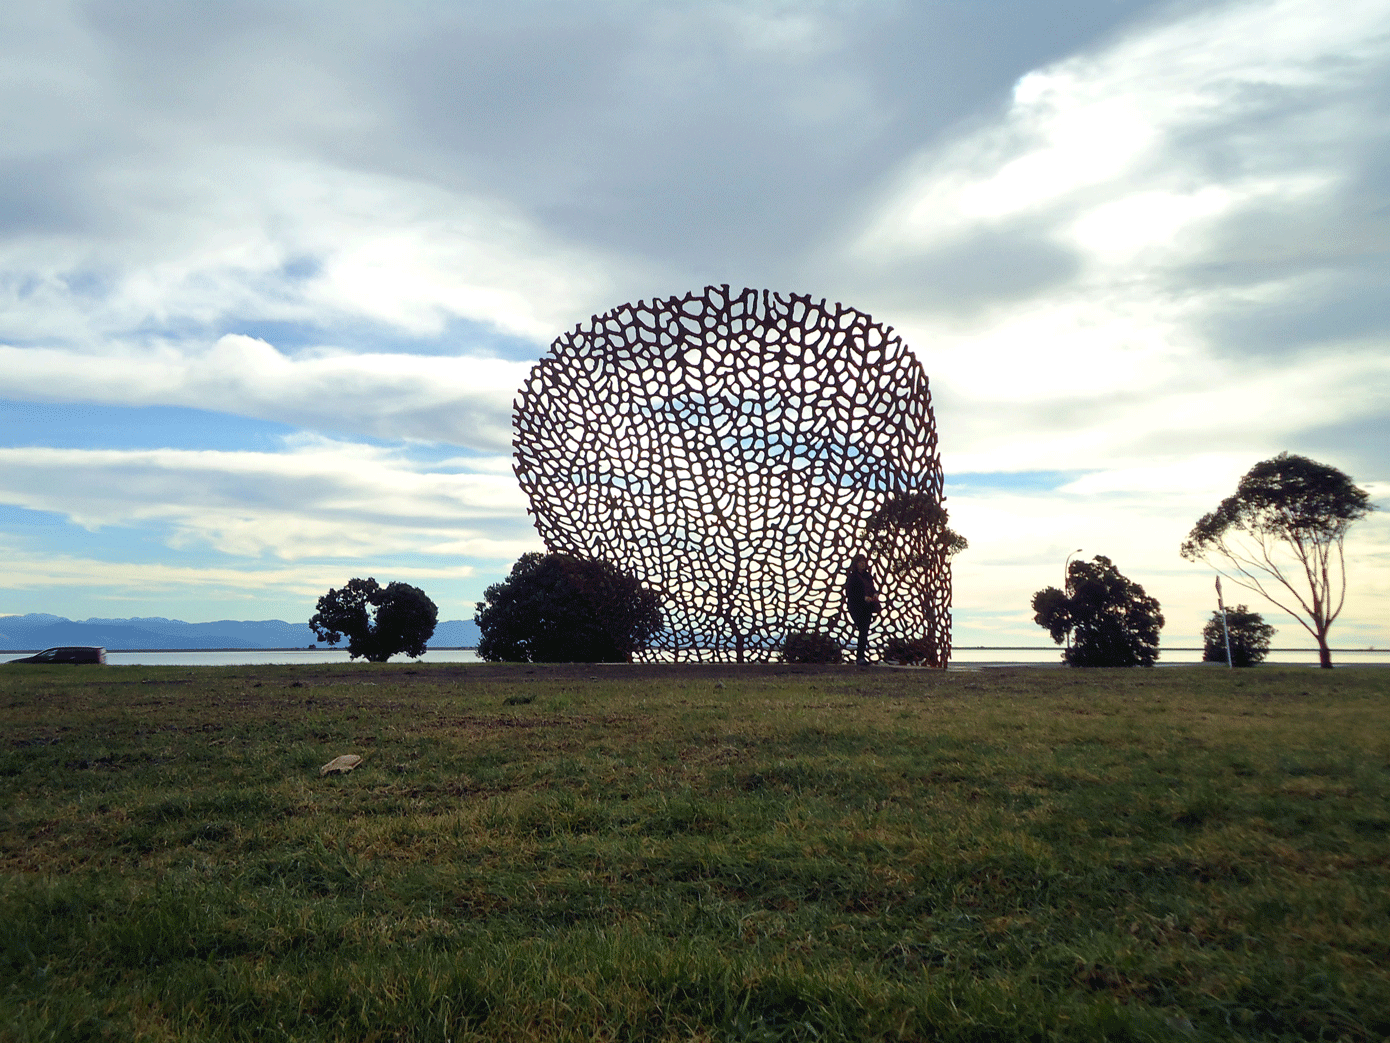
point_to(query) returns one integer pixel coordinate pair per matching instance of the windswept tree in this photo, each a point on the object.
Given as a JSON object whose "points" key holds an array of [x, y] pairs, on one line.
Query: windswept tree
{"points": [[1110, 620], [379, 621], [1281, 534], [554, 608]]}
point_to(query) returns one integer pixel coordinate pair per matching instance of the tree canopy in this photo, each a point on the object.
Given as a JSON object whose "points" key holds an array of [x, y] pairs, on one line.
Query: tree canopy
{"points": [[1281, 535], [555, 608], [379, 621], [1250, 636], [920, 524], [1109, 619]]}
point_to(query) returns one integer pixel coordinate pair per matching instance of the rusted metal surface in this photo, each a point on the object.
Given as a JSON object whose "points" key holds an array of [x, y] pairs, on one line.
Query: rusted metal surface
{"points": [[733, 450]]}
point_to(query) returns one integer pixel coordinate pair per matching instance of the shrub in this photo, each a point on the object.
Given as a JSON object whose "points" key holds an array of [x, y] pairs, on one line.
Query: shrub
{"points": [[555, 608], [1250, 636], [811, 646], [918, 651]]}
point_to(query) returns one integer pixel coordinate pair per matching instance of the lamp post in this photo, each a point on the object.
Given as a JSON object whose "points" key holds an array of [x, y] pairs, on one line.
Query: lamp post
{"points": [[1221, 604], [1066, 586]]}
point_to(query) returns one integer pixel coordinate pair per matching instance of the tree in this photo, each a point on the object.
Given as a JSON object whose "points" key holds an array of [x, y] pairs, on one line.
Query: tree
{"points": [[1250, 636], [1112, 622], [911, 530], [555, 608], [401, 619], [910, 537], [1281, 536]]}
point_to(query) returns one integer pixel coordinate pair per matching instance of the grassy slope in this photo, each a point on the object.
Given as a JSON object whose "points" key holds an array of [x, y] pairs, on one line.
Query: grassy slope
{"points": [[647, 854]]}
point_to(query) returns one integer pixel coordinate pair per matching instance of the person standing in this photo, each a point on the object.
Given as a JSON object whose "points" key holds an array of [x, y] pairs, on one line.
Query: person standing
{"points": [[861, 596]]}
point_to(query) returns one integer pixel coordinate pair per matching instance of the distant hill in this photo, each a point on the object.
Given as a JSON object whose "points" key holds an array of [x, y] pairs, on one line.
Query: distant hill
{"points": [[39, 630]]}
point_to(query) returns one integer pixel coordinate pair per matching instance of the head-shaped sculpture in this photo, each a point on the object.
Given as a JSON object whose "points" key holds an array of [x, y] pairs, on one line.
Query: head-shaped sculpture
{"points": [[733, 451]]}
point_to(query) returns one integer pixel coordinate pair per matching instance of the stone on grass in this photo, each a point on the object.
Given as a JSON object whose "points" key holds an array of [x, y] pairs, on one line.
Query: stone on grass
{"points": [[341, 765]]}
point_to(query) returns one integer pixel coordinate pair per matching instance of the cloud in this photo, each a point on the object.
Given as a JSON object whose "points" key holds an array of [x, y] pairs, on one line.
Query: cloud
{"points": [[46, 571], [1163, 246], [1129, 147], [323, 500], [238, 235], [458, 400], [1095, 409]]}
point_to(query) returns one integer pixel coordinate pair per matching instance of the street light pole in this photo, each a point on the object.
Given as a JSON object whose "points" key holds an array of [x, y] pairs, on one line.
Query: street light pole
{"points": [[1221, 604], [1066, 586]]}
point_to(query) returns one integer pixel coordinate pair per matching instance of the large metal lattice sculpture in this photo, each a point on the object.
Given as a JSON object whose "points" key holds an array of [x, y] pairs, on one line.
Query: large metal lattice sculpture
{"points": [[733, 451]]}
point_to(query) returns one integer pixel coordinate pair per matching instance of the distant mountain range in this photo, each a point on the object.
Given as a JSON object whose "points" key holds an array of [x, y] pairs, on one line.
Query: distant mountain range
{"points": [[38, 631]]}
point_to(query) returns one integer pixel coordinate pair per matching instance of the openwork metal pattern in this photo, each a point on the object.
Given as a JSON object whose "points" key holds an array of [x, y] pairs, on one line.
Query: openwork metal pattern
{"points": [[733, 450]]}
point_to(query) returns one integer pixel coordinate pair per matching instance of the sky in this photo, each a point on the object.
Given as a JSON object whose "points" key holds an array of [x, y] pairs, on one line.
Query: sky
{"points": [[272, 272]]}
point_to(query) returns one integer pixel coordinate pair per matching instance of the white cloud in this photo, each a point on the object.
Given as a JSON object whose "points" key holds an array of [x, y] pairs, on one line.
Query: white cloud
{"points": [[459, 400], [1101, 128], [304, 581], [1107, 411], [1173, 193], [326, 500], [238, 234]]}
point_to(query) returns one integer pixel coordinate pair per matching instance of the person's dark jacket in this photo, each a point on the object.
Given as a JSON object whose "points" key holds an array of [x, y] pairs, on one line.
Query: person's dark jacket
{"points": [[862, 596]]}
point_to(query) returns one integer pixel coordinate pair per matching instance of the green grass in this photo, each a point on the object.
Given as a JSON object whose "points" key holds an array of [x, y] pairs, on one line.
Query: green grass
{"points": [[652, 854]]}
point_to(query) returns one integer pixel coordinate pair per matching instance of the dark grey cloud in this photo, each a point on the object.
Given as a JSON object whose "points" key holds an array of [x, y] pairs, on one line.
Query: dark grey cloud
{"points": [[694, 135], [984, 269], [1360, 447], [1342, 303]]}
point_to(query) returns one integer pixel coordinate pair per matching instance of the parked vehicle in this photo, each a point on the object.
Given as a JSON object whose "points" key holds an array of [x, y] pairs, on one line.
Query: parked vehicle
{"points": [[67, 654]]}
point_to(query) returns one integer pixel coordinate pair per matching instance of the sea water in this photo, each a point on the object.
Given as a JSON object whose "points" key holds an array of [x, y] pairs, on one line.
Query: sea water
{"points": [[963, 657]]}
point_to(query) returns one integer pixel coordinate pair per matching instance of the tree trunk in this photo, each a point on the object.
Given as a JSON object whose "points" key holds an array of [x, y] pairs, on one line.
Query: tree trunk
{"points": [[1324, 653]]}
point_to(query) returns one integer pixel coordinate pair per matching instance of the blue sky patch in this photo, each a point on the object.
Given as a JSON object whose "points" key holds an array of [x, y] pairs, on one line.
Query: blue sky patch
{"points": [[80, 425]]}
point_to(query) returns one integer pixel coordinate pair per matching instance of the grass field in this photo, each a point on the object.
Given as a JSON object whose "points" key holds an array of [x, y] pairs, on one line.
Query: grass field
{"points": [[664, 853]]}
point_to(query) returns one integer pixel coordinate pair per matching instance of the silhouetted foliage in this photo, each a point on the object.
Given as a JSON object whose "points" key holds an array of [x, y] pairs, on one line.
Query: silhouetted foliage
{"points": [[554, 608], [1293, 508], [909, 530], [811, 647], [1250, 636], [908, 533], [909, 652], [379, 621], [1110, 619]]}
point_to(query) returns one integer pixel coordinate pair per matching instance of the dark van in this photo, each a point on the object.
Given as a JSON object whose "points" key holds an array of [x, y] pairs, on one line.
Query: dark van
{"points": [[68, 654]]}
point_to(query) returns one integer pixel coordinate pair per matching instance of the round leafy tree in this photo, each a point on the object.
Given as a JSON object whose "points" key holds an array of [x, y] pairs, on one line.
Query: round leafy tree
{"points": [[379, 621], [556, 608], [1281, 534], [1109, 619], [734, 450], [1250, 636]]}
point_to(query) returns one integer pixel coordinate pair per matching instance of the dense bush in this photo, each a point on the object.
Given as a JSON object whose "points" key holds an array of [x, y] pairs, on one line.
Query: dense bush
{"points": [[554, 608], [1250, 636], [910, 651], [811, 647]]}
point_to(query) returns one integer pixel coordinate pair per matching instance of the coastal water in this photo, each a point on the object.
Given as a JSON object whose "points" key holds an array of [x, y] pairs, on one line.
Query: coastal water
{"points": [[265, 656], [960, 657]]}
